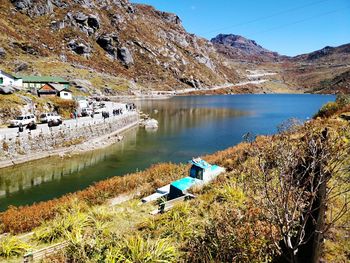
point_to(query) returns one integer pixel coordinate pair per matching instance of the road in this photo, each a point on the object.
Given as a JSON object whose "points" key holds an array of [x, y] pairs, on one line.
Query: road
{"points": [[82, 121]]}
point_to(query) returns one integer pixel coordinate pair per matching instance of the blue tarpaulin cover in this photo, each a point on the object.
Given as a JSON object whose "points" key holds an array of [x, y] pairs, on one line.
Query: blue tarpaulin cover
{"points": [[185, 183]]}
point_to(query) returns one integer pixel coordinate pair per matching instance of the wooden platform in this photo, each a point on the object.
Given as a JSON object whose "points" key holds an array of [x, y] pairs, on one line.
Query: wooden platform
{"points": [[41, 253]]}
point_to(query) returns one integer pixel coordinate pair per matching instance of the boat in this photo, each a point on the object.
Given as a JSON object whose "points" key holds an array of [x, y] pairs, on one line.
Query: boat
{"points": [[200, 173]]}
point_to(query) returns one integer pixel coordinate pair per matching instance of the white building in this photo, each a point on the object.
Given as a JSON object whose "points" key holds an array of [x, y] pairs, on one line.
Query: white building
{"points": [[7, 79], [54, 89]]}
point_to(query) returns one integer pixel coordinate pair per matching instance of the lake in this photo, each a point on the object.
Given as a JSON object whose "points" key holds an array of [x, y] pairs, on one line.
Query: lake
{"points": [[189, 126]]}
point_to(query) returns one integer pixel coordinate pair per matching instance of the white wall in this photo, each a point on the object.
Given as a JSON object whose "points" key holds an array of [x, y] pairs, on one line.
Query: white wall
{"points": [[66, 95], [7, 81]]}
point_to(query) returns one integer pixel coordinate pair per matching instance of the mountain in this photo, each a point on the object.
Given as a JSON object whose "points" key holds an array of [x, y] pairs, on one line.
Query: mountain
{"points": [[338, 84], [324, 69], [327, 54], [110, 47], [238, 47], [106, 46]]}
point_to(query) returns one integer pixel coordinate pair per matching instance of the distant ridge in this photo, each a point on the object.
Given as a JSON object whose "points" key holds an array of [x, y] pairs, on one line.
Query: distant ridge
{"points": [[238, 47]]}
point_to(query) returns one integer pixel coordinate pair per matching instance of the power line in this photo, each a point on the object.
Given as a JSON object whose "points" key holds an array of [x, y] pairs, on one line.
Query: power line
{"points": [[302, 20], [266, 17]]}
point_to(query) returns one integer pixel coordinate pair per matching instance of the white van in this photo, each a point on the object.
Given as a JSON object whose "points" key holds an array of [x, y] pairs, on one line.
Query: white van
{"points": [[50, 116], [23, 120]]}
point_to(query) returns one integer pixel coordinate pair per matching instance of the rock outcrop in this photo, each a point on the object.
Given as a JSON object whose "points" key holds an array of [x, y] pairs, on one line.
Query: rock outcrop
{"points": [[79, 48], [87, 23], [33, 9], [109, 42], [124, 55], [6, 90]]}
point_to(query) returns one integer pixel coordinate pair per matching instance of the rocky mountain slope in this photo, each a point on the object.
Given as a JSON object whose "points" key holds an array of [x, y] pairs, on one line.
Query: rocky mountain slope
{"points": [[238, 47], [106, 46], [316, 70], [114, 47], [324, 69]]}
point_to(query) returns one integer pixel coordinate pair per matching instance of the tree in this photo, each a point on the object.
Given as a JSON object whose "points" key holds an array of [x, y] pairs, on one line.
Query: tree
{"points": [[297, 180]]}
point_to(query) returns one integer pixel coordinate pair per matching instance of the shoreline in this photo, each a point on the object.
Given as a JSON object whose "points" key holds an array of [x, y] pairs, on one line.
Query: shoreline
{"points": [[87, 146]]}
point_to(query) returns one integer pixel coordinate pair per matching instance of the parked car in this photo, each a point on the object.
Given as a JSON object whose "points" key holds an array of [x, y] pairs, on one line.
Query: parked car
{"points": [[22, 120], [46, 117], [100, 110]]}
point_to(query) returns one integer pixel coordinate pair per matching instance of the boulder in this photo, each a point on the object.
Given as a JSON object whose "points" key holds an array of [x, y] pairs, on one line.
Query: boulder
{"points": [[59, 3], [80, 17], [189, 82], [117, 20], [206, 61], [57, 25], [87, 23], [109, 43], [82, 85], [124, 55], [93, 22], [26, 47], [22, 4], [171, 18], [33, 8], [79, 48], [130, 9], [2, 52], [21, 66], [5, 90], [83, 89]]}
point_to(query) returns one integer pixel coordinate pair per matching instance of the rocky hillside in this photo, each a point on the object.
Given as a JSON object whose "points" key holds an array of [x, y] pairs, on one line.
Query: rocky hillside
{"points": [[326, 54], [106, 46], [238, 47], [324, 69], [339, 84]]}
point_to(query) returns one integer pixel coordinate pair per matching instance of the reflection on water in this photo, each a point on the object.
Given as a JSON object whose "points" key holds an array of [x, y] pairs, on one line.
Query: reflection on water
{"points": [[29, 175], [188, 127], [174, 120]]}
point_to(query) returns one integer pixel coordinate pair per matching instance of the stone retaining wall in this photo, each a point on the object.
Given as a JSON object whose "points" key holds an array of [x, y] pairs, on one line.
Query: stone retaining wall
{"points": [[65, 136]]}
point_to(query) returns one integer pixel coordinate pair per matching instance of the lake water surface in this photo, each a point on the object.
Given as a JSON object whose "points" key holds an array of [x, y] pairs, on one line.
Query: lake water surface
{"points": [[188, 127]]}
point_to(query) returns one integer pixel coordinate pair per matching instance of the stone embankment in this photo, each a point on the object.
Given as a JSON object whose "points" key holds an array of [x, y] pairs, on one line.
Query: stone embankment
{"points": [[68, 138]]}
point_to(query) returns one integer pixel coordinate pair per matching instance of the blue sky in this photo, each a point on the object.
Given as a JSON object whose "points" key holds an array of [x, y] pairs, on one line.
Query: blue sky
{"points": [[290, 27]]}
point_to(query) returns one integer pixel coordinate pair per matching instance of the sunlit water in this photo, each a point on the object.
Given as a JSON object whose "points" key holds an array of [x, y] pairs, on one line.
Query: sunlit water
{"points": [[188, 127]]}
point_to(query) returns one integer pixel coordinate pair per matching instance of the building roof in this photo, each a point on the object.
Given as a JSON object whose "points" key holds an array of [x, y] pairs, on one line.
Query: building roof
{"points": [[44, 79], [55, 86], [200, 163], [58, 87]]}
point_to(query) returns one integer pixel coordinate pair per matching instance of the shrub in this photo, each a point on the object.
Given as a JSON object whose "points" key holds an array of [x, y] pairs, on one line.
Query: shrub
{"points": [[343, 100], [63, 107], [327, 110], [341, 103], [12, 246], [25, 218], [58, 228], [233, 236], [138, 250]]}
